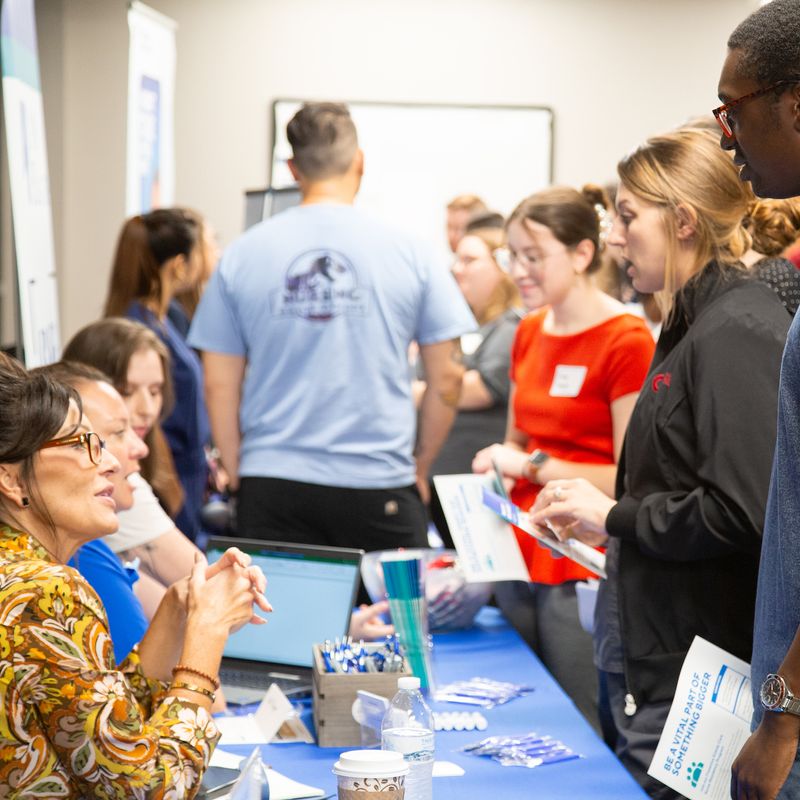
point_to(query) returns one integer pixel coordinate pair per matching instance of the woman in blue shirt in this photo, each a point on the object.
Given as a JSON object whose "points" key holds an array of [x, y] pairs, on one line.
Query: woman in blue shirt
{"points": [[158, 255]]}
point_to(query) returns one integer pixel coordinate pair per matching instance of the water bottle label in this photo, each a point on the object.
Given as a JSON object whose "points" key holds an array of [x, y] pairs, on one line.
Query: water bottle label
{"points": [[414, 744]]}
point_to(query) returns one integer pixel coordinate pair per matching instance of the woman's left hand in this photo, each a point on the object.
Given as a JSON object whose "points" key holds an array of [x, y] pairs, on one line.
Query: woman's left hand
{"points": [[511, 461], [573, 509]]}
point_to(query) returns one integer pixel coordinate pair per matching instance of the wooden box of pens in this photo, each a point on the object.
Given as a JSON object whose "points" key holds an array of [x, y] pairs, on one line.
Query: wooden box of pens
{"points": [[334, 692]]}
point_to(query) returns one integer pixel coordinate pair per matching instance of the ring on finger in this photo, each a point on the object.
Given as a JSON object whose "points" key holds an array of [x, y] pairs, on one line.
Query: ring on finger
{"points": [[558, 493]]}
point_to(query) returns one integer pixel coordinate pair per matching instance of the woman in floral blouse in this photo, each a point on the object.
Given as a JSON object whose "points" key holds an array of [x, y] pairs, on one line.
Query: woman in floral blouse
{"points": [[72, 723]]}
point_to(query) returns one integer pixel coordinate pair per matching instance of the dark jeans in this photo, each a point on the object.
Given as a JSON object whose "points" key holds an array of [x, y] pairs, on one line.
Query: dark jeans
{"points": [[634, 739], [546, 617]]}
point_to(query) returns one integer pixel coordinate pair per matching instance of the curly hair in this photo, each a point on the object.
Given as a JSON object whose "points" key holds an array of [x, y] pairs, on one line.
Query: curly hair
{"points": [[769, 42], [773, 224]]}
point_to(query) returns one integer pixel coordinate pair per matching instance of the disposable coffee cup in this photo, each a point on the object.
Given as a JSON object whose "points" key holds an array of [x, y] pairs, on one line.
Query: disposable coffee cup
{"points": [[371, 775]]}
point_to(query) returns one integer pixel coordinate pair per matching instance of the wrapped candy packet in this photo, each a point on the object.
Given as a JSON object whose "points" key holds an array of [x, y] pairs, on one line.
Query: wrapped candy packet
{"points": [[529, 750], [483, 692]]}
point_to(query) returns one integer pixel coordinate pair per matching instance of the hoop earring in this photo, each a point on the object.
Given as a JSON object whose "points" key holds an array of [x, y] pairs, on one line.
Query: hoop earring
{"points": [[25, 502]]}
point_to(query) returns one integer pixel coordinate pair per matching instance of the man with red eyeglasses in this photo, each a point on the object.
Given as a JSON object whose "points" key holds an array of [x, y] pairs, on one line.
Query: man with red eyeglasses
{"points": [[760, 121]]}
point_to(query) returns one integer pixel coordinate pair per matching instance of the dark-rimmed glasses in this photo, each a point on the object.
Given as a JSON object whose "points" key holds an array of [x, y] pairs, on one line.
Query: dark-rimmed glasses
{"points": [[721, 113], [91, 441]]}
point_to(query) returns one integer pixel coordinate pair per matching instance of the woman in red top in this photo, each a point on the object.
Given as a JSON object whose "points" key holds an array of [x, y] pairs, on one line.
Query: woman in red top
{"points": [[577, 366]]}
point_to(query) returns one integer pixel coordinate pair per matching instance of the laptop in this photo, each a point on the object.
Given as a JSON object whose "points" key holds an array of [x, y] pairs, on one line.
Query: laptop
{"points": [[312, 591]]}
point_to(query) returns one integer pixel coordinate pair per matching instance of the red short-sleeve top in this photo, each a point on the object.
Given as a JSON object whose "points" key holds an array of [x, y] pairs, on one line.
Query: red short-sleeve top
{"points": [[565, 386]]}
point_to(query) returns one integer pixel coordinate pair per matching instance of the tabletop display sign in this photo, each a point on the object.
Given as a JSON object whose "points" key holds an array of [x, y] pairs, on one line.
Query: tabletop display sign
{"points": [[487, 548], [707, 725], [29, 184]]}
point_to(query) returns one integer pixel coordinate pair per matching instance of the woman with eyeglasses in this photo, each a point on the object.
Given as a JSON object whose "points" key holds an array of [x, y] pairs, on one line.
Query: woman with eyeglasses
{"points": [[483, 402], [683, 529], [75, 723], [577, 366]]}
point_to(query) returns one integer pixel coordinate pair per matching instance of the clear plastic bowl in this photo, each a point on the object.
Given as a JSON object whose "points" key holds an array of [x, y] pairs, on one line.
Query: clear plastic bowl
{"points": [[452, 602]]}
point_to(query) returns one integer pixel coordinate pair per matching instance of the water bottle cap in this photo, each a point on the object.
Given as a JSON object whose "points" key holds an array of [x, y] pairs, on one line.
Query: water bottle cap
{"points": [[410, 682]]}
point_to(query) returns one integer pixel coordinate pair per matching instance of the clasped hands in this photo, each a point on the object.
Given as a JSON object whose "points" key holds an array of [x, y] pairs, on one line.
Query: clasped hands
{"points": [[231, 583], [572, 509]]}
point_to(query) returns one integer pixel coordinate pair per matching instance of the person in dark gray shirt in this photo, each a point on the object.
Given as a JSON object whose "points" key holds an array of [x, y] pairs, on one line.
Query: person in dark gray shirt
{"points": [[483, 404]]}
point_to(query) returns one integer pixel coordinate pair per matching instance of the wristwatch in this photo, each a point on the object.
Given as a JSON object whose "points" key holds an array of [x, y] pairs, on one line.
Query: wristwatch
{"points": [[535, 462], [775, 695]]}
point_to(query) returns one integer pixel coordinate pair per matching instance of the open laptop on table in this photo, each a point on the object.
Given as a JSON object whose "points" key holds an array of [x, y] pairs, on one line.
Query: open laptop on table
{"points": [[312, 591]]}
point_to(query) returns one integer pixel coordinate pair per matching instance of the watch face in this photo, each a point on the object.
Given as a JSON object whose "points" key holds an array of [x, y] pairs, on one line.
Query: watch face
{"points": [[773, 692], [538, 457]]}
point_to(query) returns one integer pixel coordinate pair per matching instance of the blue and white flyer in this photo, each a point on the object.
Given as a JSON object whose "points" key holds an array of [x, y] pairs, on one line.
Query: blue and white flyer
{"points": [[707, 725], [487, 547], [580, 553]]}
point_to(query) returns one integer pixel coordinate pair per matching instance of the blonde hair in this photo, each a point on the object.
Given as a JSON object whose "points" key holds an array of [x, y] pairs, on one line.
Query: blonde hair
{"points": [[688, 169], [467, 202], [505, 294]]}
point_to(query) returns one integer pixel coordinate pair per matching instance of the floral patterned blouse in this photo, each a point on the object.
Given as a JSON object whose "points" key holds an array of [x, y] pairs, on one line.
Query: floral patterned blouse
{"points": [[72, 723]]}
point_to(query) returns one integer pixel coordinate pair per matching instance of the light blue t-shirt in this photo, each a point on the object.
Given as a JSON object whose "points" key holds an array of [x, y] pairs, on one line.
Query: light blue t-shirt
{"points": [[323, 301]]}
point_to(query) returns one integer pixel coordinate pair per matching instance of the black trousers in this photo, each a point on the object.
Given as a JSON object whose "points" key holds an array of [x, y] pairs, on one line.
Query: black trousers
{"points": [[308, 513]]}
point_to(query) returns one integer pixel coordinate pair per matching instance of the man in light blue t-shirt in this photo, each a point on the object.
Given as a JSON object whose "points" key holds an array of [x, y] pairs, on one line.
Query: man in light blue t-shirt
{"points": [[305, 328]]}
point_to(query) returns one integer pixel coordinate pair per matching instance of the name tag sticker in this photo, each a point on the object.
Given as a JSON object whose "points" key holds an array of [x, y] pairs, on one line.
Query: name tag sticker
{"points": [[567, 380]]}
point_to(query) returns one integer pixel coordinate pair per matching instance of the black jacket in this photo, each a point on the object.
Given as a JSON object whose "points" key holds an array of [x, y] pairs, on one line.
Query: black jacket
{"points": [[693, 479]]}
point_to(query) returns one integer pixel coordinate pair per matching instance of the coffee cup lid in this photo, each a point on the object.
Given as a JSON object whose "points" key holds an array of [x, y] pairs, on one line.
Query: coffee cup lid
{"points": [[371, 764]]}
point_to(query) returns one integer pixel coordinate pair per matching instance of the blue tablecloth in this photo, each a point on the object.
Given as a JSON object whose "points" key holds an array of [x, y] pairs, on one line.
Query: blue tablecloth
{"points": [[491, 648]]}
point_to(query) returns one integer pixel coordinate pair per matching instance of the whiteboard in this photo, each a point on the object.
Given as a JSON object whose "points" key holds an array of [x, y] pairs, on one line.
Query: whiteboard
{"points": [[418, 157]]}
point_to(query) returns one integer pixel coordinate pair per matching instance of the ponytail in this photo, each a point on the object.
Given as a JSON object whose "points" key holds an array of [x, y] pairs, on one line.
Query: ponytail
{"points": [[135, 273], [145, 244]]}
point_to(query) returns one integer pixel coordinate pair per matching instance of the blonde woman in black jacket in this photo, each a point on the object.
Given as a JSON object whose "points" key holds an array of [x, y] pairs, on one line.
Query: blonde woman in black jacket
{"points": [[684, 533]]}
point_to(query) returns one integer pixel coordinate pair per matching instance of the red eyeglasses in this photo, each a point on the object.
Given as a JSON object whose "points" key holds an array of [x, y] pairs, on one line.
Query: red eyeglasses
{"points": [[722, 113]]}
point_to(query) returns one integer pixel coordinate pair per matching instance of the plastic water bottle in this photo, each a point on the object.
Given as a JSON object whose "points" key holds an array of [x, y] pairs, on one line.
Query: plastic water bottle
{"points": [[407, 728]]}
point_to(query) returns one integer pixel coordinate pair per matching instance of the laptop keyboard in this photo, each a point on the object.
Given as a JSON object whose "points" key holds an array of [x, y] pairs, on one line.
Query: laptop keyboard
{"points": [[243, 684]]}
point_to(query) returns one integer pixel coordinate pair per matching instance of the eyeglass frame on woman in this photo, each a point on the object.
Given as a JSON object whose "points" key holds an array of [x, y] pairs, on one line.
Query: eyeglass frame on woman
{"points": [[721, 113], [80, 438], [532, 261]]}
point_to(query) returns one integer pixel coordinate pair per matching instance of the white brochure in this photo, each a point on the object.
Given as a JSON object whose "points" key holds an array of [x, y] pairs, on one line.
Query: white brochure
{"points": [[486, 545], [580, 553], [707, 725]]}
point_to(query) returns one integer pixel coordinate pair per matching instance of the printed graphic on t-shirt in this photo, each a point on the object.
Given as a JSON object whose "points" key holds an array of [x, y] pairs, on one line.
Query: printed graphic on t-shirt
{"points": [[320, 285], [567, 380]]}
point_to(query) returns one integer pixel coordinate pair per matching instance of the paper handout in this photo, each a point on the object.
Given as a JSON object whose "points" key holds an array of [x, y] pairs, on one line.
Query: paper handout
{"points": [[487, 547], [580, 553], [707, 725]]}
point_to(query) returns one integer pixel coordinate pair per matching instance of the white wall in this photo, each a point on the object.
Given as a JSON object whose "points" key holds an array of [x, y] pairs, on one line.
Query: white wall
{"points": [[614, 71]]}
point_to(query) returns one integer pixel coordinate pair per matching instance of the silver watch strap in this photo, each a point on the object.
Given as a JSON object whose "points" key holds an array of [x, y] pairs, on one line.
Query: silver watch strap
{"points": [[792, 706]]}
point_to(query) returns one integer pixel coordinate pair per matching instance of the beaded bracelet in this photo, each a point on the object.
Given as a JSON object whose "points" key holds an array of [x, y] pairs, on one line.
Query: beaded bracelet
{"points": [[190, 687], [200, 674]]}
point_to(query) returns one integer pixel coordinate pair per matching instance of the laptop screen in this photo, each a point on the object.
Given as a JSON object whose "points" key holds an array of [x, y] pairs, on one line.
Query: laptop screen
{"points": [[312, 591]]}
